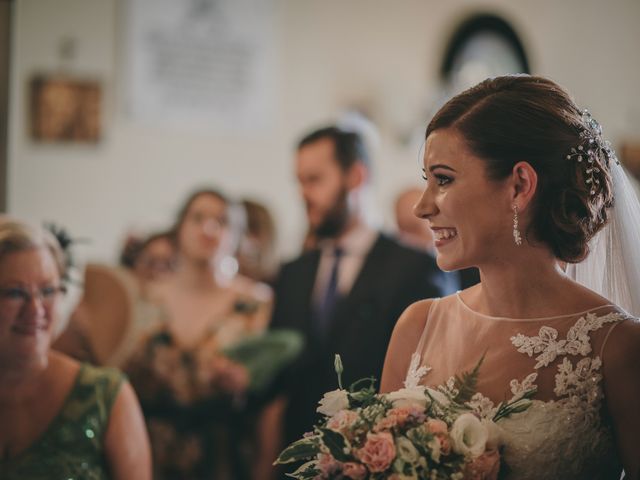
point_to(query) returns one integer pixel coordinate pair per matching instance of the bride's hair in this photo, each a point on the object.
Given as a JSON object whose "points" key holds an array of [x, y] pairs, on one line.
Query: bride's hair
{"points": [[508, 119]]}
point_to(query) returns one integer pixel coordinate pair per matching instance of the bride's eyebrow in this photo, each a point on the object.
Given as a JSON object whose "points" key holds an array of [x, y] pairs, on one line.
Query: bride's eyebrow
{"points": [[441, 165]]}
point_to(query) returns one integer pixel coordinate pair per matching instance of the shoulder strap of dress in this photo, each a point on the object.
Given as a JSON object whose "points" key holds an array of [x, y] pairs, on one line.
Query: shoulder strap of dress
{"points": [[416, 371], [623, 317], [95, 393], [423, 336]]}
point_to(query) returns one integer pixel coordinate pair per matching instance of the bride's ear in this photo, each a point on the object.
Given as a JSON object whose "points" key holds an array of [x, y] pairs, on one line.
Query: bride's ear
{"points": [[524, 181]]}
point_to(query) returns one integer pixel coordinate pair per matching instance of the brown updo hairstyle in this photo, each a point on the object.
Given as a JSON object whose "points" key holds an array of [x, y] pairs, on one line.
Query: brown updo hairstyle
{"points": [[508, 119]]}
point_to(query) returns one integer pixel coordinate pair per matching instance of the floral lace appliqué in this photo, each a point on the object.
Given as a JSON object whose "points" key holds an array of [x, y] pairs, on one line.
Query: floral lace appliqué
{"points": [[579, 385], [547, 345], [415, 372], [518, 389], [482, 406]]}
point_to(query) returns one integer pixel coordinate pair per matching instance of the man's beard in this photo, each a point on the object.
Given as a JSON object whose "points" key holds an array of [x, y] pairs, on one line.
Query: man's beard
{"points": [[336, 218]]}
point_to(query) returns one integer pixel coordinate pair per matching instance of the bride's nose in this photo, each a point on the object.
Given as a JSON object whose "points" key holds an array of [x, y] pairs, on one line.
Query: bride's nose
{"points": [[426, 207]]}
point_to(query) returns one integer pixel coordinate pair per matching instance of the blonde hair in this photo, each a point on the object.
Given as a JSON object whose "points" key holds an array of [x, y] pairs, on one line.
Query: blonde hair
{"points": [[18, 236]]}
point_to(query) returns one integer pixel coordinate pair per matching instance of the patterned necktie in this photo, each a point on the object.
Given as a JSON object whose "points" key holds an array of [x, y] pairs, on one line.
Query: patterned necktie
{"points": [[331, 294]]}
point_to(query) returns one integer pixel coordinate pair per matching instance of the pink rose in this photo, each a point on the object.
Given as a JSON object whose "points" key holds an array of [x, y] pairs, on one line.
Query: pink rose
{"points": [[398, 417], [437, 426], [355, 471], [440, 430], [328, 465], [378, 452], [342, 421], [484, 467]]}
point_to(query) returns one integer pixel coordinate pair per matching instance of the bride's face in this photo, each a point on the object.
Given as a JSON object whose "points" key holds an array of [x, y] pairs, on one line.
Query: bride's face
{"points": [[469, 214]]}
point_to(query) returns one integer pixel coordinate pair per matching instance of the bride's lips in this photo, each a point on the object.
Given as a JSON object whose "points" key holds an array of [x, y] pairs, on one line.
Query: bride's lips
{"points": [[443, 235], [28, 328]]}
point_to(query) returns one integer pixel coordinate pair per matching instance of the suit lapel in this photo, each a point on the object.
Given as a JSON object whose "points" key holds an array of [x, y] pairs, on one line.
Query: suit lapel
{"points": [[307, 279]]}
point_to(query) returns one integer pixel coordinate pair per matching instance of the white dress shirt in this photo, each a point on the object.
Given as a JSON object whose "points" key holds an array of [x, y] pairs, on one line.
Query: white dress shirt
{"points": [[355, 246]]}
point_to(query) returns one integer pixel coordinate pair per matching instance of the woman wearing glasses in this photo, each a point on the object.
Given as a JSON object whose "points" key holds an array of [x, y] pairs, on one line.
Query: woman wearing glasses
{"points": [[58, 418]]}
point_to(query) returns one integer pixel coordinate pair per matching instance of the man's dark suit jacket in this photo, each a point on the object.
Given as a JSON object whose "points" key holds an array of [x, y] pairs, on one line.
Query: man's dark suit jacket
{"points": [[391, 278]]}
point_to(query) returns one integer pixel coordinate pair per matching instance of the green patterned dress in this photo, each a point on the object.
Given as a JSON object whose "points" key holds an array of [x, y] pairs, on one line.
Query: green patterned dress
{"points": [[72, 447]]}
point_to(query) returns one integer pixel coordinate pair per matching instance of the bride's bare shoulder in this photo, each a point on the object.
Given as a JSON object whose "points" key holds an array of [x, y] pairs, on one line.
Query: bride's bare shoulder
{"points": [[404, 342], [413, 320]]}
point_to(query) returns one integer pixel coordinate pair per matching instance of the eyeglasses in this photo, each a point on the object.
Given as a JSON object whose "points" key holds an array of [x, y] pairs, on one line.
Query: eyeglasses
{"points": [[18, 297]]}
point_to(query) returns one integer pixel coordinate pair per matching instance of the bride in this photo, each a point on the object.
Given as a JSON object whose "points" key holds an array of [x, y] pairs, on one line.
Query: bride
{"points": [[519, 182]]}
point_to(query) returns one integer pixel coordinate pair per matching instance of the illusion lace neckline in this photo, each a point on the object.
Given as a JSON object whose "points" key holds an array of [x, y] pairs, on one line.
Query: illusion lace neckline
{"points": [[532, 319]]}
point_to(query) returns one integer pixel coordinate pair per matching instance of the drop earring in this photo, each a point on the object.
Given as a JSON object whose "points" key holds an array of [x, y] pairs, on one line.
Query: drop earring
{"points": [[517, 239]]}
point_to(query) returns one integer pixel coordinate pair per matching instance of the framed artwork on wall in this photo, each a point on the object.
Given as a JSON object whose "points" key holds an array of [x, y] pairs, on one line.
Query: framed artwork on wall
{"points": [[484, 45], [65, 109]]}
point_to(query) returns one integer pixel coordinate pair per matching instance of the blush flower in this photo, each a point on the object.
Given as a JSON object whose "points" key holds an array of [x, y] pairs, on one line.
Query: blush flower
{"points": [[378, 452], [354, 471], [441, 432], [437, 426], [342, 421], [484, 467], [327, 464], [399, 416]]}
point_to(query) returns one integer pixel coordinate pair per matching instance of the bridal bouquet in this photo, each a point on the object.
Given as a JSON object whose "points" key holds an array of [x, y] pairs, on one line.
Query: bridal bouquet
{"points": [[413, 433]]}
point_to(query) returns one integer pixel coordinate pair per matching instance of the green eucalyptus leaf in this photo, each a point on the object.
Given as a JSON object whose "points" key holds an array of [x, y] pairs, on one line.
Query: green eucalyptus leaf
{"points": [[306, 471], [336, 443], [302, 449]]}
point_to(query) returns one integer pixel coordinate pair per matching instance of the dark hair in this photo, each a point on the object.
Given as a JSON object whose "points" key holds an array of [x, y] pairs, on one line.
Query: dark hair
{"points": [[349, 146], [259, 220], [508, 119], [182, 213], [134, 246]]}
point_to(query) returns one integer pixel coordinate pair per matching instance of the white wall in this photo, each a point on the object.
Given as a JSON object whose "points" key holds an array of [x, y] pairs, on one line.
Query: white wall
{"points": [[381, 55]]}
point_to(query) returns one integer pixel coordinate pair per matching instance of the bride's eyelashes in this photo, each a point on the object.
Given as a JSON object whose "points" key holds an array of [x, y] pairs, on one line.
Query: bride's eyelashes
{"points": [[440, 178]]}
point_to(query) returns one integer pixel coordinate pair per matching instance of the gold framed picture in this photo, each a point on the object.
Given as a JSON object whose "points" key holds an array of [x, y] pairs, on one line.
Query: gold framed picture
{"points": [[65, 109]]}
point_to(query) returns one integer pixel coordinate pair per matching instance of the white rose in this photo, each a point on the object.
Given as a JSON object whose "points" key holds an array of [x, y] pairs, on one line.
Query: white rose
{"points": [[399, 468], [406, 450], [439, 397], [408, 397], [468, 436], [333, 402], [494, 434]]}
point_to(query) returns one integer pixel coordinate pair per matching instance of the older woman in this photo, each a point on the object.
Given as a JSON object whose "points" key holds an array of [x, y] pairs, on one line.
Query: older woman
{"points": [[59, 418]]}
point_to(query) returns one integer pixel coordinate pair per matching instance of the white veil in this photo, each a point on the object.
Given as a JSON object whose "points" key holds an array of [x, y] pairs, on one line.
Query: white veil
{"points": [[612, 269]]}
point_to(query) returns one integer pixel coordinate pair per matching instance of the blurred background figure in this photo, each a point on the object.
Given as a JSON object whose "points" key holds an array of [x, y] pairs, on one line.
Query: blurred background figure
{"points": [[149, 259], [412, 230], [191, 392], [346, 292], [101, 328], [256, 252], [60, 418]]}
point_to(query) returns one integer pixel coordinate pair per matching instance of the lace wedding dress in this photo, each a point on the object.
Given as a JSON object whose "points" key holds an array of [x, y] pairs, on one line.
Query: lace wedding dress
{"points": [[566, 433]]}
